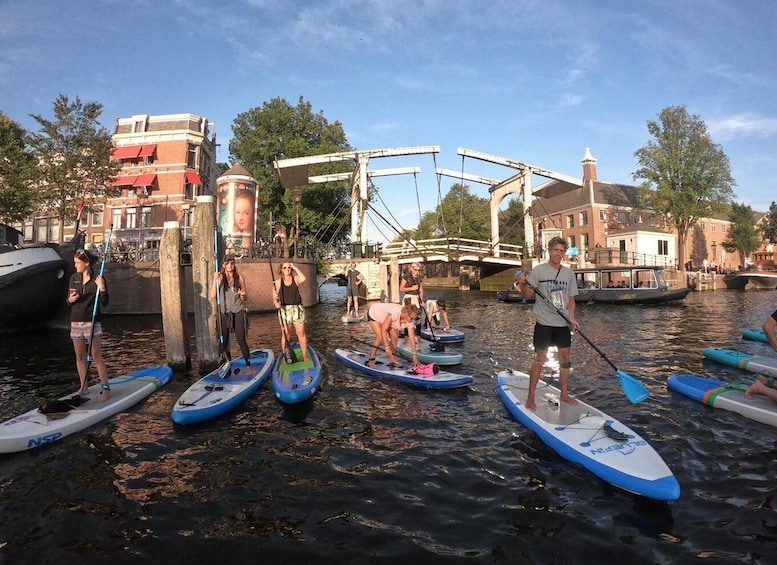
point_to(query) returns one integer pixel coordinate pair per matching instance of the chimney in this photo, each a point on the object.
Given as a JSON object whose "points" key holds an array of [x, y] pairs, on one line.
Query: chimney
{"points": [[589, 166]]}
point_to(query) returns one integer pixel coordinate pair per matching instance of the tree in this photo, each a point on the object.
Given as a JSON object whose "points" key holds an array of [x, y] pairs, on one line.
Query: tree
{"points": [[686, 176], [511, 223], [278, 130], [769, 229], [18, 198], [460, 214], [73, 153], [743, 235]]}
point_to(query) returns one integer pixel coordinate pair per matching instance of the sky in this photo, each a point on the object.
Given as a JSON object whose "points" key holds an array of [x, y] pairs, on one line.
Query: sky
{"points": [[535, 81]]}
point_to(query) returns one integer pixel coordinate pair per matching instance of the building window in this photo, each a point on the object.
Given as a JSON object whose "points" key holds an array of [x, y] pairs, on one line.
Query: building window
{"points": [[97, 215], [146, 218], [191, 156], [602, 216], [570, 220], [623, 218], [583, 219], [571, 241], [637, 218], [132, 218], [723, 228], [712, 227], [652, 221], [663, 247], [190, 191], [703, 226], [116, 218], [584, 242]]}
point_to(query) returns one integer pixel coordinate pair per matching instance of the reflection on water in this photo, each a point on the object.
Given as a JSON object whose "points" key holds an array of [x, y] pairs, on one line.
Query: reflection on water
{"points": [[376, 471]]}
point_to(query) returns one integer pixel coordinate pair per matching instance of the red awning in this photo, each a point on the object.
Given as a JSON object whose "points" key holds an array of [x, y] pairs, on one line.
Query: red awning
{"points": [[193, 178], [145, 180], [147, 150], [126, 152], [125, 181]]}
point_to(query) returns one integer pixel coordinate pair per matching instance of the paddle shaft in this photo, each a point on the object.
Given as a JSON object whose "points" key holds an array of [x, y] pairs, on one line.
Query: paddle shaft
{"points": [[288, 352], [97, 298], [222, 349], [539, 293]]}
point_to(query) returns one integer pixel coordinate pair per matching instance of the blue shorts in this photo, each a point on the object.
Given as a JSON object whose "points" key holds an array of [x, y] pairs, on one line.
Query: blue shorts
{"points": [[545, 336], [82, 330]]}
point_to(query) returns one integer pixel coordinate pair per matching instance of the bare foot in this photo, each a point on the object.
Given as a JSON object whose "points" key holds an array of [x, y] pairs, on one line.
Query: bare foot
{"points": [[754, 388], [531, 405], [568, 399], [103, 396]]}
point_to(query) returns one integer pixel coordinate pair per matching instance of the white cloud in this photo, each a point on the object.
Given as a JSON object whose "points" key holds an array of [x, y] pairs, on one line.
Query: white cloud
{"points": [[742, 125]]}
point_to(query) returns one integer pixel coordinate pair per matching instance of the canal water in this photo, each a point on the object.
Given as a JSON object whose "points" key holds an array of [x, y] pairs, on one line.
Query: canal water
{"points": [[373, 471]]}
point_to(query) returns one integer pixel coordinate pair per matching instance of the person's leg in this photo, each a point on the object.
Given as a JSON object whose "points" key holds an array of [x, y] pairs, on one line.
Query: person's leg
{"points": [[302, 337], [534, 377], [565, 368], [241, 331], [79, 346], [376, 328], [102, 370]]}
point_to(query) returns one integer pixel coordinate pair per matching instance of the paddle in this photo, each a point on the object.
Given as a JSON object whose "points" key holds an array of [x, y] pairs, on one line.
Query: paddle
{"points": [[288, 351], [106, 248], [222, 349], [632, 388]]}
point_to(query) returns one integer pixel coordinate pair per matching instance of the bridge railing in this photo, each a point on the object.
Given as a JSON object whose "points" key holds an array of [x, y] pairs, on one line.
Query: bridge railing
{"points": [[449, 247]]}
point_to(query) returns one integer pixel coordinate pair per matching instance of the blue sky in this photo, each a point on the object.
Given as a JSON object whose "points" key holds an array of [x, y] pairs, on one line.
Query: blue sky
{"points": [[536, 81]]}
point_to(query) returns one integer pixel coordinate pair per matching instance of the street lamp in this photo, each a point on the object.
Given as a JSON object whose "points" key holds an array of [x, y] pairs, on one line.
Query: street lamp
{"points": [[297, 198]]}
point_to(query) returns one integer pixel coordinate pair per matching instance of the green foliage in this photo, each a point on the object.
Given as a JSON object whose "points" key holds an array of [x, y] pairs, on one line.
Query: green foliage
{"points": [[460, 214], [743, 236], [278, 130], [769, 228], [73, 153], [511, 223], [18, 198], [686, 175]]}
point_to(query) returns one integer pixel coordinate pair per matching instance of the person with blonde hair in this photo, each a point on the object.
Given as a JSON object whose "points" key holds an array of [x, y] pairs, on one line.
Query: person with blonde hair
{"points": [[386, 319], [287, 298], [412, 285]]}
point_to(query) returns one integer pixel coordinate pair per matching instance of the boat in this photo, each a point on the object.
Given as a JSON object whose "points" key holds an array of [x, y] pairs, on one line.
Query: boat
{"points": [[755, 279], [299, 381], [719, 394], [451, 335], [223, 389], [403, 372], [33, 282], [34, 429], [754, 334], [741, 360], [583, 434], [630, 284], [429, 353]]}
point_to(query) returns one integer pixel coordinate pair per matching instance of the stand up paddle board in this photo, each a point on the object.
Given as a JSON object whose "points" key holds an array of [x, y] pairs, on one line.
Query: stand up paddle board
{"points": [[402, 373], [451, 335], [426, 355], [582, 434], [727, 396], [295, 382], [223, 389], [754, 334], [747, 361], [350, 318], [33, 429]]}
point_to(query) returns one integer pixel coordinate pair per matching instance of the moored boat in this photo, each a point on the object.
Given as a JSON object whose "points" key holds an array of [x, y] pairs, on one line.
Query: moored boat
{"points": [[32, 282], [630, 284], [757, 280]]}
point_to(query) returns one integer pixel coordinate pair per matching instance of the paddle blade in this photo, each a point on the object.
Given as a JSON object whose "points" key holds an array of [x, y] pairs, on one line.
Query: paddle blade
{"points": [[632, 388]]}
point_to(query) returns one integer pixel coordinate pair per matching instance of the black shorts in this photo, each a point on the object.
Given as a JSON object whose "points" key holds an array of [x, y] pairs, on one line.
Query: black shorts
{"points": [[545, 336]]}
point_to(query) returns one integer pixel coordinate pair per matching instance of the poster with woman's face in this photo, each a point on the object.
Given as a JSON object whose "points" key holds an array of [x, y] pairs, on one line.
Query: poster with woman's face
{"points": [[236, 210]]}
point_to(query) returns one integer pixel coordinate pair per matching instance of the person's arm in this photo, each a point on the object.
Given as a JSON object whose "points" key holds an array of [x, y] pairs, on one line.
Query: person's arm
{"points": [[276, 297], [769, 325], [421, 291], [386, 327], [526, 291], [299, 277], [242, 294], [103, 288], [414, 347], [571, 305], [403, 285]]}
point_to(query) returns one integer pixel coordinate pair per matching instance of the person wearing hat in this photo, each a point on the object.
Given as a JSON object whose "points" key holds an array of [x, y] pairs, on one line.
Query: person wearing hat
{"points": [[85, 327], [557, 283], [231, 288]]}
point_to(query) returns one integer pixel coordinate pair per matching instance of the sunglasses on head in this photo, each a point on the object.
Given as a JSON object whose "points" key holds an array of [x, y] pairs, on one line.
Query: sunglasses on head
{"points": [[82, 254]]}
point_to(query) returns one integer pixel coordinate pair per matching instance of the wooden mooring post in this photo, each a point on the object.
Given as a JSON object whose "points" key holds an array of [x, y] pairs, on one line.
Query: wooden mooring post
{"points": [[172, 287], [203, 274]]}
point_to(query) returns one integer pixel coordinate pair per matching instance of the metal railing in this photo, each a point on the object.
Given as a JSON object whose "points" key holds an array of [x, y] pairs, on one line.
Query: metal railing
{"points": [[450, 247]]}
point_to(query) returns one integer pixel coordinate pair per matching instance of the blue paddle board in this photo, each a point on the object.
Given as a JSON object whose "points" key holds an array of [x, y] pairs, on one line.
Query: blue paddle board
{"points": [[402, 373], [223, 389], [726, 396], [747, 361], [426, 355], [296, 382], [583, 434], [451, 335], [754, 334]]}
